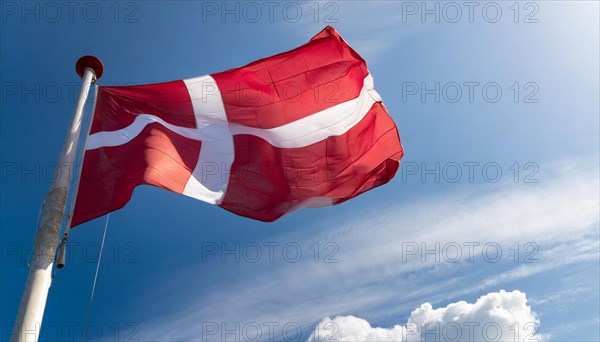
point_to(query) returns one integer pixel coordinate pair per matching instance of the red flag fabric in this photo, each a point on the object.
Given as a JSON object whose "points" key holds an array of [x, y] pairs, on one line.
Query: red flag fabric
{"points": [[304, 128]]}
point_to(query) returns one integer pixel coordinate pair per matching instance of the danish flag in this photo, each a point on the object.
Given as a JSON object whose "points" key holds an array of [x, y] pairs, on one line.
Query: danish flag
{"points": [[304, 128]]}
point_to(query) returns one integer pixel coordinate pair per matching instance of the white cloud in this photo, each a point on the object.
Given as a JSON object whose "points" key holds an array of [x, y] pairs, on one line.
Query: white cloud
{"points": [[496, 316], [350, 328]]}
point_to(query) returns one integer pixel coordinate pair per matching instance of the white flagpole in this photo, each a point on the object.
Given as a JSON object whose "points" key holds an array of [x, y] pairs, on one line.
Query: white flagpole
{"points": [[31, 310]]}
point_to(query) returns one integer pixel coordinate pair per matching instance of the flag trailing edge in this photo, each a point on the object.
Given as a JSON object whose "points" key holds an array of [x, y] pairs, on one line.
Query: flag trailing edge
{"points": [[304, 128]]}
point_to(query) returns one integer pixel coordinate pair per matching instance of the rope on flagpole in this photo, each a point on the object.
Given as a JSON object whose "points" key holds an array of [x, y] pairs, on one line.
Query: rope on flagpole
{"points": [[89, 309]]}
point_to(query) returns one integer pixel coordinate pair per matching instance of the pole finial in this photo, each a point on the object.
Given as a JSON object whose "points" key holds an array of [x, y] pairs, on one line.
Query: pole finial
{"points": [[91, 62]]}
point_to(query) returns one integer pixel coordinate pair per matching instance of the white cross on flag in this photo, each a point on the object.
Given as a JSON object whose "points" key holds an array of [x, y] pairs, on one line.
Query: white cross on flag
{"points": [[304, 128]]}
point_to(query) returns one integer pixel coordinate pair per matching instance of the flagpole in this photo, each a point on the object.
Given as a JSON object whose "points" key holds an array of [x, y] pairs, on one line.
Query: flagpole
{"points": [[33, 302]]}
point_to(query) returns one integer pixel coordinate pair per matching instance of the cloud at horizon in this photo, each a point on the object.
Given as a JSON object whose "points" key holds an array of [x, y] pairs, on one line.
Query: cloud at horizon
{"points": [[496, 316]]}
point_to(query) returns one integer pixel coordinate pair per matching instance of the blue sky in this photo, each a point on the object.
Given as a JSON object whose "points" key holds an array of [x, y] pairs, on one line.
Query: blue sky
{"points": [[165, 275]]}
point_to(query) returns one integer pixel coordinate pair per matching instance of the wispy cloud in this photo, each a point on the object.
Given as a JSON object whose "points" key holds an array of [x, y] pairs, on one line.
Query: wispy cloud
{"points": [[553, 223]]}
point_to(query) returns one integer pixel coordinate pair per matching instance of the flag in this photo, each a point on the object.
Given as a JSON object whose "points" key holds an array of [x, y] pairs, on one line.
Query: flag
{"points": [[304, 128]]}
